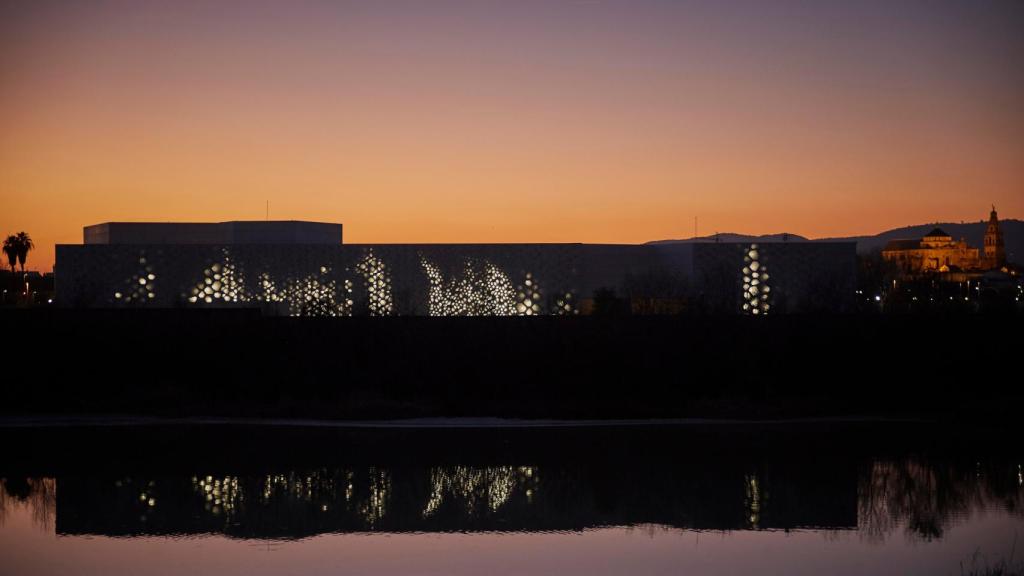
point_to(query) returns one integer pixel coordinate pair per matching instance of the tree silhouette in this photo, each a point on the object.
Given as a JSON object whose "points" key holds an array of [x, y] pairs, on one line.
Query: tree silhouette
{"points": [[24, 245], [606, 303], [11, 251]]}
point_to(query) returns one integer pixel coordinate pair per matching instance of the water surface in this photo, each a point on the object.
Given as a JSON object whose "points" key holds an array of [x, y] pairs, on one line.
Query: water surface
{"points": [[805, 499]]}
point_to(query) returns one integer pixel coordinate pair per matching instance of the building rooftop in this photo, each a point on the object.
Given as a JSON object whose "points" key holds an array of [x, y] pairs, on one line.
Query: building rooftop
{"points": [[233, 232], [937, 233], [903, 244]]}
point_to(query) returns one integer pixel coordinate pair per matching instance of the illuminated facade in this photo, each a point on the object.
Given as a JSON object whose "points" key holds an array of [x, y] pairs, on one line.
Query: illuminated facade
{"points": [[994, 254], [938, 252], [765, 278], [756, 290], [292, 270]]}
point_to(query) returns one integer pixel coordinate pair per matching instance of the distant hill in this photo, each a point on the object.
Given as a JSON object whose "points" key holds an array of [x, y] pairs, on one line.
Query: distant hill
{"points": [[732, 237], [973, 232]]}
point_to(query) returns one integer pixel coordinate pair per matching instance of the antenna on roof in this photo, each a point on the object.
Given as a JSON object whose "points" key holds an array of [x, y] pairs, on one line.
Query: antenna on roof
{"points": [[694, 227], [268, 210]]}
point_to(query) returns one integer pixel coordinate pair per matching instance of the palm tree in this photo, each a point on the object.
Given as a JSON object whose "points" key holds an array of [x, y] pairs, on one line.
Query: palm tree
{"points": [[25, 244], [11, 251]]}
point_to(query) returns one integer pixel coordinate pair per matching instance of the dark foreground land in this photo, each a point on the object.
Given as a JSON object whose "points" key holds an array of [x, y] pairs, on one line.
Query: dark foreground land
{"points": [[238, 363]]}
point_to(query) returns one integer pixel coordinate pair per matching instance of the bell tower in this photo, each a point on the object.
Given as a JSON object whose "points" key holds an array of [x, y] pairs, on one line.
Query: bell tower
{"points": [[995, 250]]}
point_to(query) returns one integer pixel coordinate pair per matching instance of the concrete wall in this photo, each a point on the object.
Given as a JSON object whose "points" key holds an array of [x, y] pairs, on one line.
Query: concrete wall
{"points": [[312, 279], [803, 276], [443, 279], [214, 233]]}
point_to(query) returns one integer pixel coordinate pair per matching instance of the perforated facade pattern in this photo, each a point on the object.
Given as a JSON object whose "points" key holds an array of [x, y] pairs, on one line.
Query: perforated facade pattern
{"points": [[801, 276], [325, 280], [454, 279]]}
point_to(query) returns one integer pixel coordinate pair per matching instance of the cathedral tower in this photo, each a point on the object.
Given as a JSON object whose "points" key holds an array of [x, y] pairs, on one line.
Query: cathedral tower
{"points": [[995, 250]]}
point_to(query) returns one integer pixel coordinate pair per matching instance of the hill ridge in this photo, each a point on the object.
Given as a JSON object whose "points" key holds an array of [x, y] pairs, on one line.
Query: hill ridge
{"points": [[973, 232]]}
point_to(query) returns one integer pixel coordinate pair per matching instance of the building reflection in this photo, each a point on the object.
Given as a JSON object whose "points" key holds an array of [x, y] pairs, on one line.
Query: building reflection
{"points": [[879, 497]]}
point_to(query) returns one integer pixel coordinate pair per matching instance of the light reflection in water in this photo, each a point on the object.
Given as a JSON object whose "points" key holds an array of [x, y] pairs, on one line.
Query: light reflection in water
{"points": [[478, 489], [913, 497], [771, 517], [753, 501]]}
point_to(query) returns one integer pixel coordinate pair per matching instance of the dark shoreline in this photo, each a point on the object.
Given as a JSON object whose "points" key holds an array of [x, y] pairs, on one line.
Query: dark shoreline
{"points": [[238, 364], [133, 421], [242, 445]]}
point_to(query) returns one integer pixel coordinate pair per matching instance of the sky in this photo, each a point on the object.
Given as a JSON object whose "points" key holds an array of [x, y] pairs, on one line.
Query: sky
{"points": [[518, 121]]}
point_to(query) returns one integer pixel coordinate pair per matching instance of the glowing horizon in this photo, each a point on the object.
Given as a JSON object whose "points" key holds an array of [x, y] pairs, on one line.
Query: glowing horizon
{"points": [[598, 122]]}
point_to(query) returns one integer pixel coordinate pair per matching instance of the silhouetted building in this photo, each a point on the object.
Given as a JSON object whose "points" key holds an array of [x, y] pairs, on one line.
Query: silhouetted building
{"points": [[235, 232], [303, 269]]}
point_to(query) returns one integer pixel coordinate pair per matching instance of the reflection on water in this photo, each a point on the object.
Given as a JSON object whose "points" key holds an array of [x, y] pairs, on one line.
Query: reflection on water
{"points": [[922, 499], [38, 494], [926, 498], [752, 484]]}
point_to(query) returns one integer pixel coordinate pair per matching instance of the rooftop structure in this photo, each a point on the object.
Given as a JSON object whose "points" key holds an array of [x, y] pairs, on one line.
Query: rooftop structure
{"points": [[214, 233]]}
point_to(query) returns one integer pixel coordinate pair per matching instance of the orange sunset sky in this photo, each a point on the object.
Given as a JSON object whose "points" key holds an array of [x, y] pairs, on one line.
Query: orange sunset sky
{"points": [[510, 121]]}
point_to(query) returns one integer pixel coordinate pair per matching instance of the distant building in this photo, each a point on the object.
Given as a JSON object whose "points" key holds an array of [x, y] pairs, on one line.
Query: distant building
{"points": [[304, 269], [995, 250], [938, 252]]}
